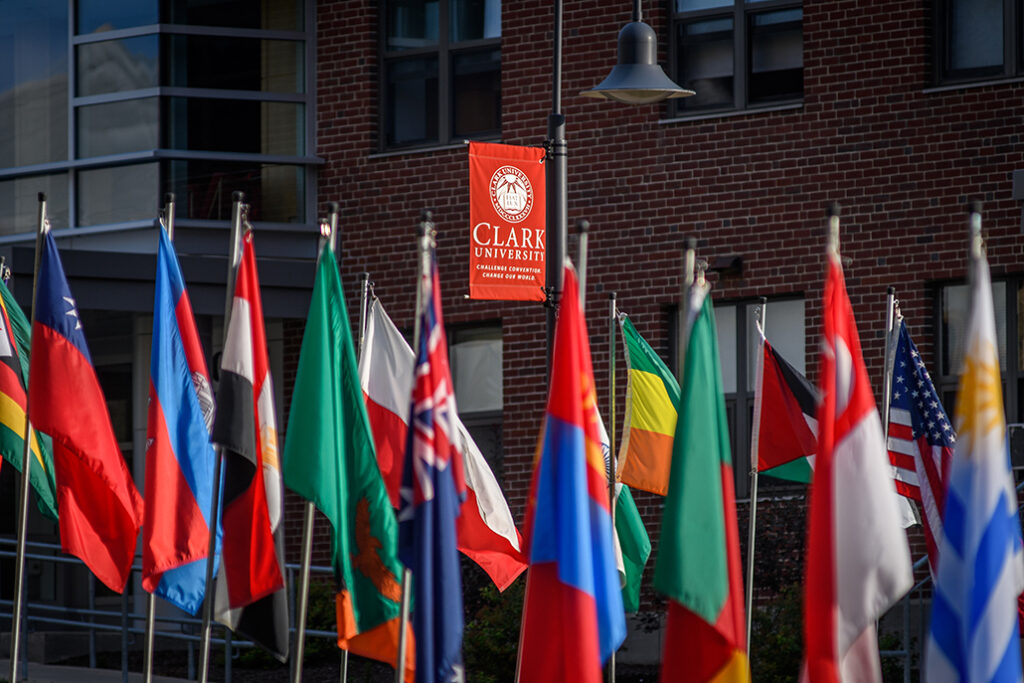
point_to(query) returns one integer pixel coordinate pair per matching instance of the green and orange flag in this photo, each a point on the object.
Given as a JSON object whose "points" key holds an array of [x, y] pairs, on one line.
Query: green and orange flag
{"points": [[652, 397], [329, 460], [698, 564]]}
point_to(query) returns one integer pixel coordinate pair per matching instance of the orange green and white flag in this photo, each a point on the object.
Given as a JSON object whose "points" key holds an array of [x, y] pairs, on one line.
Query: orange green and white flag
{"points": [[698, 564], [652, 397]]}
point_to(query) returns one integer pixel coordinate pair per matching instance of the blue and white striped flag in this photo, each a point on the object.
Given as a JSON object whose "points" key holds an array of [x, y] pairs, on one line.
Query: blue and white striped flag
{"points": [[973, 635]]}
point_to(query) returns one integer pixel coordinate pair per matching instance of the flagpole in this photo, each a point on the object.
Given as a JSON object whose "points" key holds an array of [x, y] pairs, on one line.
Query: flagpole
{"points": [[327, 236], [43, 226], [426, 230], [364, 311], [610, 671], [890, 322], [762, 313], [237, 211], [583, 230], [689, 265], [974, 244], [166, 223]]}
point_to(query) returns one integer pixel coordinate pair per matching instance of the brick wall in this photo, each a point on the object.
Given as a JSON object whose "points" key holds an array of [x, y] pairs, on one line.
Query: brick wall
{"points": [[902, 161]]}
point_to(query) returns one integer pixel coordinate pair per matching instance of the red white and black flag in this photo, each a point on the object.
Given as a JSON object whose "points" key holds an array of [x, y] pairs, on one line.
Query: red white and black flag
{"points": [[250, 595]]}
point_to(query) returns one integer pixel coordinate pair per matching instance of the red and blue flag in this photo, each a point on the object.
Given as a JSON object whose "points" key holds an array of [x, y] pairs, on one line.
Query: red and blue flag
{"points": [[433, 487], [573, 619], [100, 509], [179, 454]]}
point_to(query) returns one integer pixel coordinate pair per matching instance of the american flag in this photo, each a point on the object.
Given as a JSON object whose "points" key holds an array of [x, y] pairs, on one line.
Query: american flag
{"points": [[920, 439]]}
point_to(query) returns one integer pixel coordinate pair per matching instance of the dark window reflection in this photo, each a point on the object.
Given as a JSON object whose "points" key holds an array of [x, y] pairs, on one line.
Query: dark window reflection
{"points": [[33, 82], [411, 24], [276, 15], [474, 19], [235, 126], [776, 56], [117, 127], [241, 63], [19, 202], [975, 35], [412, 101], [118, 194], [203, 190], [117, 65], [476, 93], [705, 62], [106, 15]]}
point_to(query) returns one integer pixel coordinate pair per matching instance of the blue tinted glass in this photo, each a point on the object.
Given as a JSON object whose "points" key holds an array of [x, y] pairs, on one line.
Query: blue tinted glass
{"points": [[116, 65], [411, 24], [474, 19], [19, 202], [33, 81], [412, 101], [106, 15], [117, 127], [202, 189], [118, 194], [975, 34], [691, 5]]}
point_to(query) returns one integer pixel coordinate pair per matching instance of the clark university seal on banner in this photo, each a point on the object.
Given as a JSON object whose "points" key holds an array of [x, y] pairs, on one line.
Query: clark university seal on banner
{"points": [[511, 194]]}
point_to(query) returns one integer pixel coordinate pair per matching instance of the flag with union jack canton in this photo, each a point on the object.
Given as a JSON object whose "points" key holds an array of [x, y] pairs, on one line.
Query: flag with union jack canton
{"points": [[433, 487], [920, 439]]}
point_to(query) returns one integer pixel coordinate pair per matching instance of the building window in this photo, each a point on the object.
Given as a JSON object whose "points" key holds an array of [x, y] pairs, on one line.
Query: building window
{"points": [[475, 354], [442, 71], [737, 54], [978, 40], [737, 351]]}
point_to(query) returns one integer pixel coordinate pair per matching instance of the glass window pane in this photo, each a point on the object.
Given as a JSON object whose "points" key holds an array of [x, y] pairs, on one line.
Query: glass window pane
{"points": [[116, 65], [215, 125], [242, 63], [474, 19], [118, 194], [476, 369], [691, 5], [411, 101], [476, 93], [776, 56], [411, 24], [19, 203], [786, 332], [705, 62], [271, 15], [202, 188], [954, 324], [975, 34], [95, 16], [725, 326], [117, 127], [33, 82]]}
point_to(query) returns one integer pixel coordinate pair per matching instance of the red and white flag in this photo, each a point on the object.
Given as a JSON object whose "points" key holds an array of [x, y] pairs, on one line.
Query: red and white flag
{"points": [[858, 562], [486, 532], [250, 595]]}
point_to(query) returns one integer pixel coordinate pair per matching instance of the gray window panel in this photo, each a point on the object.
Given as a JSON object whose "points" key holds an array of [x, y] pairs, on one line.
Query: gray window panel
{"points": [[476, 93], [975, 34], [95, 16], [412, 101], [242, 63], [411, 24], [474, 20], [776, 56], [118, 127], [955, 309], [693, 5], [224, 125], [706, 62], [19, 202], [33, 82], [118, 194], [275, 192], [116, 65]]}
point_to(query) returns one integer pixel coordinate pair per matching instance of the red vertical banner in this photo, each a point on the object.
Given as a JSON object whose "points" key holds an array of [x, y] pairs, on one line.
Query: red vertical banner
{"points": [[507, 222]]}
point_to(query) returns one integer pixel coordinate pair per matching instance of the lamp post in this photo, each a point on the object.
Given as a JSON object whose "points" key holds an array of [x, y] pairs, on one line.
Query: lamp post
{"points": [[635, 79]]}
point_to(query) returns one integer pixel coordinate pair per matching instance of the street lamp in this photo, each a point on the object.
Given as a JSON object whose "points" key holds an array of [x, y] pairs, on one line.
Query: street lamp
{"points": [[636, 79]]}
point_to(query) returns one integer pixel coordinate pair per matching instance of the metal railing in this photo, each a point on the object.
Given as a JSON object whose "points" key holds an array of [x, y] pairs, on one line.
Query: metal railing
{"points": [[129, 623]]}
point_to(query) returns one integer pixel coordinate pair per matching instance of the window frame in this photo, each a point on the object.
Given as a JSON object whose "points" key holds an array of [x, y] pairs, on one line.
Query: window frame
{"points": [[445, 51], [1013, 47], [740, 13]]}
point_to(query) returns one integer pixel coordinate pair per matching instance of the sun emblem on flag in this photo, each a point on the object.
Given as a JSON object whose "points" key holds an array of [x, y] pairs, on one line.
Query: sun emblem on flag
{"points": [[979, 400]]}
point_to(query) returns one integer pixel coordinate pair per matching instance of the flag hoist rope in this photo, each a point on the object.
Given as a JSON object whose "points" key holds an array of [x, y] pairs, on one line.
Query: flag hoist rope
{"points": [[239, 215], [762, 312], [43, 226]]}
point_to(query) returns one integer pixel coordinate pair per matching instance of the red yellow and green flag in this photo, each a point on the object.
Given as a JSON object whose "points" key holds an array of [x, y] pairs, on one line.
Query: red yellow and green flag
{"points": [[698, 564]]}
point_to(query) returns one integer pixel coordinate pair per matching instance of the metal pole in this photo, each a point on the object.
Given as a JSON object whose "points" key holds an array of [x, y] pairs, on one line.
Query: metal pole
{"points": [[890, 321], [752, 526], [42, 227], [689, 266], [556, 183], [610, 669], [364, 311], [167, 221], [229, 296], [583, 230], [332, 219], [309, 509]]}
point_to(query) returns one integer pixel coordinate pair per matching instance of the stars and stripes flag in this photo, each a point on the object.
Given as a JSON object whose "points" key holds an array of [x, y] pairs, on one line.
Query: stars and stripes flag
{"points": [[920, 438], [433, 488]]}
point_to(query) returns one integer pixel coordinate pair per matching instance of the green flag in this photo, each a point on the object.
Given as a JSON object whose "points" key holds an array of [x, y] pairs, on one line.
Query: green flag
{"points": [[15, 342], [698, 564], [635, 544], [329, 460]]}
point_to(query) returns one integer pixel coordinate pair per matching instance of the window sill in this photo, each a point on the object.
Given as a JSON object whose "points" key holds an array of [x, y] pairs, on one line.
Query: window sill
{"points": [[729, 113], [968, 85]]}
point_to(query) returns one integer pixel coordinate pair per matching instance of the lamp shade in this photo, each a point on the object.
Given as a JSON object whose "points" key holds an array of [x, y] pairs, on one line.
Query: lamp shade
{"points": [[637, 78]]}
